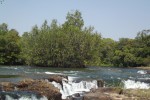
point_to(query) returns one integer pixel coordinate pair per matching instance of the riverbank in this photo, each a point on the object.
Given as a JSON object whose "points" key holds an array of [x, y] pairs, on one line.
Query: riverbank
{"points": [[144, 68], [118, 94]]}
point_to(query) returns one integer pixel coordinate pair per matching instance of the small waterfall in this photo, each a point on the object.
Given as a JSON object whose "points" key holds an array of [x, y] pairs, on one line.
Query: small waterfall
{"points": [[142, 72], [25, 98], [20, 95], [130, 84], [70, 88]]}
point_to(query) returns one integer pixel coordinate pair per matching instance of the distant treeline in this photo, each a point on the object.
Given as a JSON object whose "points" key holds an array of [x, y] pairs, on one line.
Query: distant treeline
{"points": [[71, 45]]}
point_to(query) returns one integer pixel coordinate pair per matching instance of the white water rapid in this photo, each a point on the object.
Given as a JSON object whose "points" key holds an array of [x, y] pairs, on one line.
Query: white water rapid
{"points": [[69, 87], [142, 72], [25, 98], [130, 84]]}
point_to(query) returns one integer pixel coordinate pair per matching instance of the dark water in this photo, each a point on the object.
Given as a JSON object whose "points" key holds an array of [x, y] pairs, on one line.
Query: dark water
{"points": [[108, 74]]}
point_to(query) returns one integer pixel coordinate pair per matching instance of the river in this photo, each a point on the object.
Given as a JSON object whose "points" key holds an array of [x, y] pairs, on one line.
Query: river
{"points": [[124, 77]]}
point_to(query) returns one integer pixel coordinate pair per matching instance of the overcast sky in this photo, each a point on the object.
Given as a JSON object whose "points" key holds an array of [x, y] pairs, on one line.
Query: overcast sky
{"points": [[112, 18]]}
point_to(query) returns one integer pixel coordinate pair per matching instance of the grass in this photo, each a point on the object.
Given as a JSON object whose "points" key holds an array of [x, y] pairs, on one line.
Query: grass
{"points": [[9, 76], [141, 94], [144, 68]]}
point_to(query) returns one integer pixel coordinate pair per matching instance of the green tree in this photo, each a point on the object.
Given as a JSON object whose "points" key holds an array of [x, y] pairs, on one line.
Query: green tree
{"points": [[9, 47], [124, 54], [143, 47], [107, 50], [66, 45]]}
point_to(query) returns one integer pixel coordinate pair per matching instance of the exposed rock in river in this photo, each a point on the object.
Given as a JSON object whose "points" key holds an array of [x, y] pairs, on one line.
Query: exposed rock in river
{"points": [[83, 90], [41, 87], [100, 83], [7, 86], [102, 94], [117, 94], [57, 78]]}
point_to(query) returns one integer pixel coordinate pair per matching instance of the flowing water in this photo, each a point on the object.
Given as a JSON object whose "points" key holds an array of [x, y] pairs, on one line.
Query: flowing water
{"points": [[80, 80]]}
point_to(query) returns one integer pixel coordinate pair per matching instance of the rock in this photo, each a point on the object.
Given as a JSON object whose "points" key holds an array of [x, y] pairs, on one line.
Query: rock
{"points": [[117, 94], [109, 90], [96, 96], [25, 83], [102, 94], [148, 71], [7, 86], [57, 78], [42, 87], [76, 95], [100, 83]]}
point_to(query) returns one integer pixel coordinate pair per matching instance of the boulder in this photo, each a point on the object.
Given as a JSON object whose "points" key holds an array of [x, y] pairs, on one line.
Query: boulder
{"points": [[100, 83], [25, 83], [148, 71], [40, 86], [103, 94], [109, 90], [7, 86], [57, 78], [96, 96]]}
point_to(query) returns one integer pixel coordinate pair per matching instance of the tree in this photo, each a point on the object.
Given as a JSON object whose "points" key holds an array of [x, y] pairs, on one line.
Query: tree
{"points": [[74, 21], [69, 45], [124, 54], [107, 50], [9, 47], [143, 47]]}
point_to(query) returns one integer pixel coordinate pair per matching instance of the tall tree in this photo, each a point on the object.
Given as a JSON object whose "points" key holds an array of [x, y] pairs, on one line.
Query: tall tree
{"points": [[9, 47]]}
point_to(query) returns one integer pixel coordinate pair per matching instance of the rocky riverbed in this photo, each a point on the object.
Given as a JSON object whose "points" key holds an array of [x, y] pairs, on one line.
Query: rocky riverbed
{"points": [[46, 89]]}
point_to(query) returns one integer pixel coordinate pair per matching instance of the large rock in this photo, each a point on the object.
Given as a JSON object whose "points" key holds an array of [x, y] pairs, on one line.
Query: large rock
{"points": [[103, 94], [57, 78], [7, 86], [96, 96], [117, 94], [40, 86], [100, 83], [148, 71], [109, 90], [25, 83]]}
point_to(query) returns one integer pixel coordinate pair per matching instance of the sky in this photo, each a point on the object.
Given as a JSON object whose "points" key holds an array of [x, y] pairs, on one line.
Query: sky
{"points": [[112, 18]]}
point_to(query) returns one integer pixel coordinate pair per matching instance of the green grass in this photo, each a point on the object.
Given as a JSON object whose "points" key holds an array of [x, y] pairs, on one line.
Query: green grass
{"points": [[8, 76]]}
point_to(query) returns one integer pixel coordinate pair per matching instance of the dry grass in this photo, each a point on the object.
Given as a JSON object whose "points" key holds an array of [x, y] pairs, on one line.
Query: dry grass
{"points": [[145, 68], [141, 94]]}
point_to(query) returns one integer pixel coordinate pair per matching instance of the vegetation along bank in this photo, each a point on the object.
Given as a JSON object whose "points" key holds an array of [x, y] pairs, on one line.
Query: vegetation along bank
{"points": [[71, 44]]}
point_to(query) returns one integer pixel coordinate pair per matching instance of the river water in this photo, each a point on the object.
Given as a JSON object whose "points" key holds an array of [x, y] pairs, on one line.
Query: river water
{"points": [[80, 79]]}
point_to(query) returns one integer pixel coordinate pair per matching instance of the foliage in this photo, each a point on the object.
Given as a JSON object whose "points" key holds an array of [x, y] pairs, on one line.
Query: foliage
{"points": [[71, 45], [133, 52], [66, 45], [9, 47]]}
